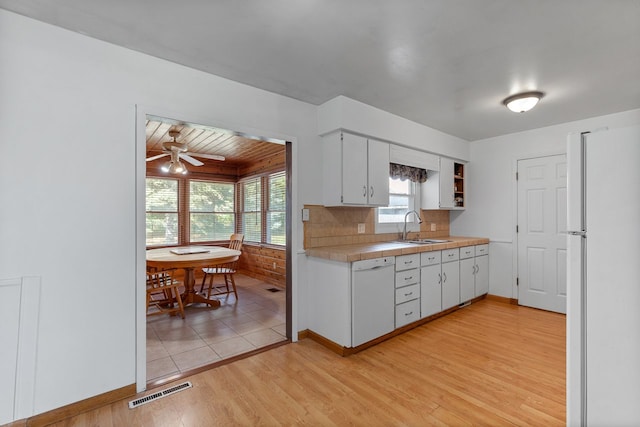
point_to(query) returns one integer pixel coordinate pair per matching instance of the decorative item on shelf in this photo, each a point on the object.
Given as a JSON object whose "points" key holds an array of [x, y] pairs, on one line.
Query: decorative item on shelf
{"points": [[459, 201]]}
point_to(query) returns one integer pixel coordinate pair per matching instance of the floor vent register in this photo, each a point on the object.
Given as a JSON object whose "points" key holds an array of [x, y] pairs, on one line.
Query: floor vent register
{"points": [[159, 395]]}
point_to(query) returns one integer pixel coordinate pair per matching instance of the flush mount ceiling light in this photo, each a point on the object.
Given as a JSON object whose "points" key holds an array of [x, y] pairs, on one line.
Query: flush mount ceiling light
{"points": [[522, 102]]}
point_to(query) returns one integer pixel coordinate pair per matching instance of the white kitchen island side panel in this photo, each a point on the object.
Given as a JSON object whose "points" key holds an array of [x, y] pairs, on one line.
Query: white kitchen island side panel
{"points": [[330, 299]]}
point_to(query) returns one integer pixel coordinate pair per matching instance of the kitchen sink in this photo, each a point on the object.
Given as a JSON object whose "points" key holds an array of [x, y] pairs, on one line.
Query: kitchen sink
{"points": [[426, 241]]}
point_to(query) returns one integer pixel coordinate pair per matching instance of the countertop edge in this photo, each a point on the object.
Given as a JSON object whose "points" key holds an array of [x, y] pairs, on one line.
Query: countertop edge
{"points": [[358, 252]]}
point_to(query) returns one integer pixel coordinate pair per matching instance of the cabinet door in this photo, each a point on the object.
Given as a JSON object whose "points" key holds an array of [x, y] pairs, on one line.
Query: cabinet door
{"points": [[482, 275], [446, 183], [467, 276], [430, 290], [450, 284], [354, 170], [378, 173]]}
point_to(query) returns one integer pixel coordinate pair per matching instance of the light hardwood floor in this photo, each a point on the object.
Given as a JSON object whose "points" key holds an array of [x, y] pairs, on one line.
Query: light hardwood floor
{"points": [[488, 364]]}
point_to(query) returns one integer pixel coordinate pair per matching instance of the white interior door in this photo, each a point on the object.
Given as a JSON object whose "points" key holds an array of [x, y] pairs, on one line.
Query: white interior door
{"points": [[542, 238]]}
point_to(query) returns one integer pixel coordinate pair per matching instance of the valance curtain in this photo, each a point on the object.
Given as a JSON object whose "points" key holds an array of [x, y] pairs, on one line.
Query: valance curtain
{"points": [[405, 172]]}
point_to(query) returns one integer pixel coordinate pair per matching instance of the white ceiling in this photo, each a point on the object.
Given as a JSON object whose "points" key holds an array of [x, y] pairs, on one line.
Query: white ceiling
{"points": [[443, 63]]}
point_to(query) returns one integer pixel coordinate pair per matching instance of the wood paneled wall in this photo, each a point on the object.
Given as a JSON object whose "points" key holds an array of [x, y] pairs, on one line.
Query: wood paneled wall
{"points": [[266, 263]]}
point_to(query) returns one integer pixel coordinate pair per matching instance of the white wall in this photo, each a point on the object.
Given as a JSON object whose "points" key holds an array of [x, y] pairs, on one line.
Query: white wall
{"points": [[491, 188], [68, 181]]}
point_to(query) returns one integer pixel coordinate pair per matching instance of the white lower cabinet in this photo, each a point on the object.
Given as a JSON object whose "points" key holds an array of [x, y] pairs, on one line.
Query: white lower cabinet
{"points": [[474, 272], [482, 270], [407, 312], [358, 302], [430, 283], [407, 289], [450, 278], [467, 273], [467, 279]]}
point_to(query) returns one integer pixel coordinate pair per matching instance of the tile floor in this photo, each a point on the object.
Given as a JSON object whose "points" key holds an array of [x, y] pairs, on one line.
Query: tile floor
{"points": [[204, 336]]}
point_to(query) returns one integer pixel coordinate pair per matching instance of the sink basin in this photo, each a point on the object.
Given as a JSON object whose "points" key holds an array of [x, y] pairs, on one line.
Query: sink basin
{"points": [[427, 241]]}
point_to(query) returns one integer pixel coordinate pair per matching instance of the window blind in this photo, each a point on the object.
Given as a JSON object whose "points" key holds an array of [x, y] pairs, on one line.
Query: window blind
{"points": [[161, 211], [276, 230], [252, 210], [211, 210]]}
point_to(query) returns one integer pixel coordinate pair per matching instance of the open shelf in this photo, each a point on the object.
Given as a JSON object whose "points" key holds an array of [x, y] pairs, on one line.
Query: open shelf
{"points": [[458, 185]]}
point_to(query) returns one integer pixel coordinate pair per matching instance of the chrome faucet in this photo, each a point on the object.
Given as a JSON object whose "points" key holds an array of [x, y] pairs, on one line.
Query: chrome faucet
{"points": [[404, 231]]}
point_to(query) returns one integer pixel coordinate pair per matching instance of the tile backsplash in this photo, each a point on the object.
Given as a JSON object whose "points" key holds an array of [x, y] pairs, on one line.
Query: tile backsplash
{"points": [[339, 226]]}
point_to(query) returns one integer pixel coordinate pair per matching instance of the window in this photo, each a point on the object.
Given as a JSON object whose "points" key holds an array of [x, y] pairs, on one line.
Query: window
{"points": [[263, 210], [211, 211], [182, 211], [162, 211], [276, 209], [252, 209], [403, 197]]}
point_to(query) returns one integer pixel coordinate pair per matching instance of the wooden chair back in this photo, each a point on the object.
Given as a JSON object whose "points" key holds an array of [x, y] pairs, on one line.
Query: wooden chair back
{"points": [[235, 241]]}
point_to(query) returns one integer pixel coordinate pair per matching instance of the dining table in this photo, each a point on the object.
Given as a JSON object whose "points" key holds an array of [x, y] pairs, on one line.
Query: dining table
{"points": [[189, 258]]}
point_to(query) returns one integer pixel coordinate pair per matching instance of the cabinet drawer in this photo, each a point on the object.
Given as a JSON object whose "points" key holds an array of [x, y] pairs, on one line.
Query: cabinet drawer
{"points": [[467, 252], [407, 293], [450, 255], [482, 250], [430, 258], [405, 262], [407, 277], [407, 312]]}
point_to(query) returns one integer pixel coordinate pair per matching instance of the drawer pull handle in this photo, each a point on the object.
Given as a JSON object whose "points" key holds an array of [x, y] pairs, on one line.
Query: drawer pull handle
{"points": [[409, 313], [408, 262], [408, 278], [409, 294]]}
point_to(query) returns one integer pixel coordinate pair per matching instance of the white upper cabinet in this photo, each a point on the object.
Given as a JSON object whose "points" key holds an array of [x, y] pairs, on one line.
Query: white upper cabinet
{"points": [[356, 170], [444, 189], [378, 156]]}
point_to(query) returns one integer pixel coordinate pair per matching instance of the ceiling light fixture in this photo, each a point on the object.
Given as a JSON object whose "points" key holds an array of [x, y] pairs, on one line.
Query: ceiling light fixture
{"points": [[522, 102], [174, 166]]}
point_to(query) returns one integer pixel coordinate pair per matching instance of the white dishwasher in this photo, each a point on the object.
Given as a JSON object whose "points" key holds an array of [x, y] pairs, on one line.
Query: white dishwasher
{"points": [[372, 299]]}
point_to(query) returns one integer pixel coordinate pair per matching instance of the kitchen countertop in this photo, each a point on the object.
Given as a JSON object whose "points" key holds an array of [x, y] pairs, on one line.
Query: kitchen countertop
{"points": [[357, 252]]}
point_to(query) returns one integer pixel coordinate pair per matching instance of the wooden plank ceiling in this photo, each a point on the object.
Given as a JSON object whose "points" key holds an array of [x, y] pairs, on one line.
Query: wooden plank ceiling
{"points": [[240, 152]]}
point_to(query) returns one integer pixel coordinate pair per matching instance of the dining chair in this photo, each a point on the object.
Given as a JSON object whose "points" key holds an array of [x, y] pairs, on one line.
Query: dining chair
{"points": [[163, 293], [227, 270]]}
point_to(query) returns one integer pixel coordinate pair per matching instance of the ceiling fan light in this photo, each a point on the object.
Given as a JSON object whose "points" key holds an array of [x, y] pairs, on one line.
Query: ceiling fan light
{"points": [[166, 167], [522, 102], [177, 167]]}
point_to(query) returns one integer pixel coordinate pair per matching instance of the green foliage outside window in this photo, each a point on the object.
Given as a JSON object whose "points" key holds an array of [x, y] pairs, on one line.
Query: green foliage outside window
{"points": [[211, 210], [162, 211]]}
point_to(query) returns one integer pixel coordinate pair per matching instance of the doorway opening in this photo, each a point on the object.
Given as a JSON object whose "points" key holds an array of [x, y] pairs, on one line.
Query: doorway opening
{"points": [[203, 184]]}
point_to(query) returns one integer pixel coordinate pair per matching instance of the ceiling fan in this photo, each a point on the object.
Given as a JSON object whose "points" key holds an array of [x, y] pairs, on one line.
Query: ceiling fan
{"points": [[179, 150]]}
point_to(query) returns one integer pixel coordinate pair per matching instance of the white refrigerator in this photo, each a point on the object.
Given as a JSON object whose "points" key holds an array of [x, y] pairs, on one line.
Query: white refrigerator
{"points": [[603, 290]]}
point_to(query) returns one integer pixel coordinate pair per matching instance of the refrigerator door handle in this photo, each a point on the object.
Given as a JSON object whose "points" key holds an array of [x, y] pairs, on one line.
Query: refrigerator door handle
{"points": [[577, 233]]}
